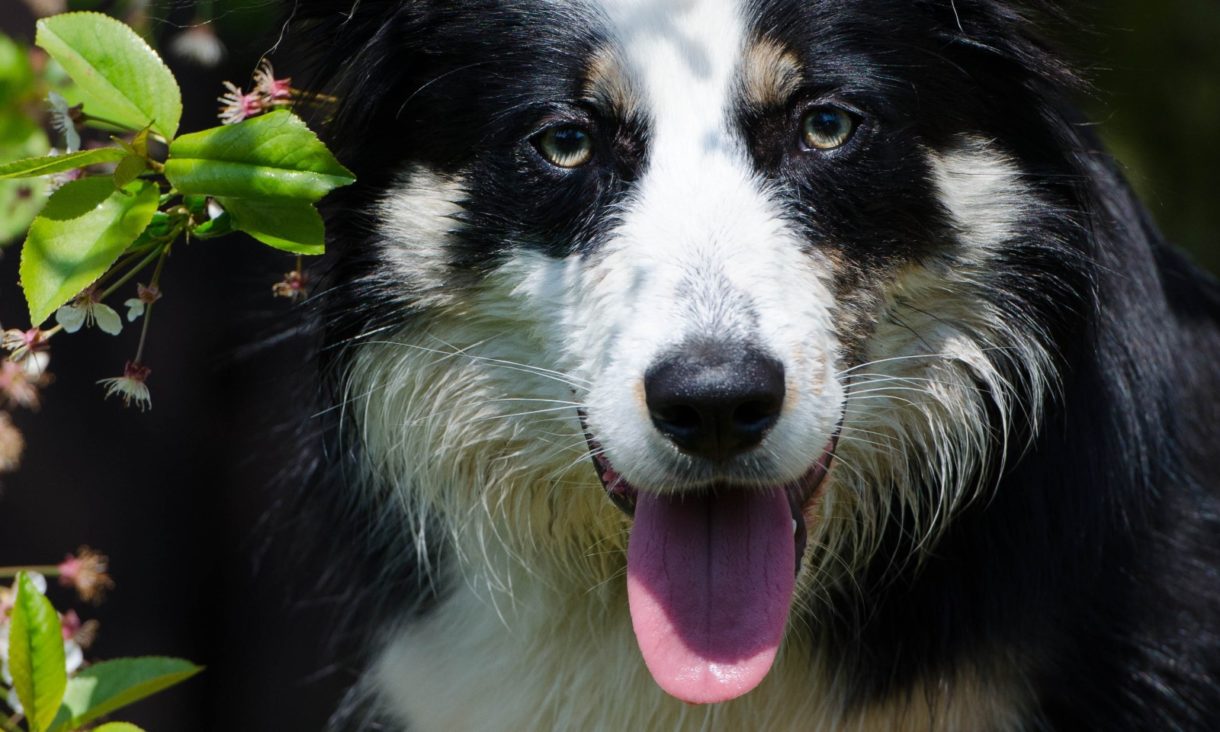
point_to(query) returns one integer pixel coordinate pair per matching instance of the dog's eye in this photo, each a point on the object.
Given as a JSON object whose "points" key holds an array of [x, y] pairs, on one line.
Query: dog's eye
{"points": [[826, 128], [567, 145]]}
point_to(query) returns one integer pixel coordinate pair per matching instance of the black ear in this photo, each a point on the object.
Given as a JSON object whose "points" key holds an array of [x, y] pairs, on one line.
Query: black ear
{"points": [[1011, 33], [358, 56]]}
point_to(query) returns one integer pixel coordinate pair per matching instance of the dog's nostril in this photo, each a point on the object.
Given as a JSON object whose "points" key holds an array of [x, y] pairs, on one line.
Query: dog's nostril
{"points": [[677, 418], [715, 400], [757, 415]]}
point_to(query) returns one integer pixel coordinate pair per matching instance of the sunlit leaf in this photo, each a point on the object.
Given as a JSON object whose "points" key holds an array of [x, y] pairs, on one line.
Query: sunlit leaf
{"points": [[36, 655], [111, 685], [84, 228], [272, 156], [128, 169], [118, 77], [294, 226], [48, 164]]}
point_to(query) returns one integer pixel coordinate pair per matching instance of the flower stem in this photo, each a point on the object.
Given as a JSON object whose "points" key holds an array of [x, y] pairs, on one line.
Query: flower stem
{"points": [[148, 258], [148, 309], [125, 260], [8, 725], [49, 570]]}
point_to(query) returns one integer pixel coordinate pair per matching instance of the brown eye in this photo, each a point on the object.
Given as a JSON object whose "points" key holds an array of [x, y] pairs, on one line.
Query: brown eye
{"points": [[567, 146], [826, 128]]}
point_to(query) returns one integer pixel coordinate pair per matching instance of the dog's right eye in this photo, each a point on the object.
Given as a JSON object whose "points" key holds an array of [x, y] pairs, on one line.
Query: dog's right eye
{"points": [[566, 145]]}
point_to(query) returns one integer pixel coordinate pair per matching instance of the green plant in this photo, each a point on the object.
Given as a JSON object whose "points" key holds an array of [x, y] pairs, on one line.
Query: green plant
{"points": [[96, 219], [41, 653], [119, 209]]}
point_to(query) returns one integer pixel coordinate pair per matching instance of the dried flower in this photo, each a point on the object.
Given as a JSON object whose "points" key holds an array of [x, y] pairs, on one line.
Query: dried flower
{"points": [[294, 286], [29, 349], [15, 340], [63, 120], [237, 105], [82, 634], [130, 386], [86, 572], [12, 444], [74, 630], [19, 384], [144, 296], [275, 92], [69, 624], [87, 310]]}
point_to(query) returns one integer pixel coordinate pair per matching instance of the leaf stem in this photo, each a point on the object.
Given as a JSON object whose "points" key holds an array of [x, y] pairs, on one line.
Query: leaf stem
{"points": [[8, 725], [125, 260], [50, 570], [148, 258], [86, 118]]}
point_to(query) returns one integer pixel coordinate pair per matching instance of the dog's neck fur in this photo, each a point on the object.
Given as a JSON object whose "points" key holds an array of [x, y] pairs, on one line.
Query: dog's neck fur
{"points": [[538, 655]]}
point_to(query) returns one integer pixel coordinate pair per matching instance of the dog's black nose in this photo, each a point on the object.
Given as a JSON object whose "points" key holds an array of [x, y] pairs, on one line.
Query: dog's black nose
{"points": [[715, 400]]}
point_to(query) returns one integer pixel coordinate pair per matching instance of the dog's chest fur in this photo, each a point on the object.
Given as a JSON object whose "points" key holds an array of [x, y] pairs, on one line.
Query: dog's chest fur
{"points": [[566, 659]]}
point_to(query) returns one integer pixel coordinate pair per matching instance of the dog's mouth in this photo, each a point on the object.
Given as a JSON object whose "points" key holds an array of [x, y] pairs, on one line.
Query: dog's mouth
{"points": [[710, 576]]}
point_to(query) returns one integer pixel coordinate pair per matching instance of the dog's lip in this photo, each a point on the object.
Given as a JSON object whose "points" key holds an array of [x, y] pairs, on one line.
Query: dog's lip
{"points": [[801, 492]]}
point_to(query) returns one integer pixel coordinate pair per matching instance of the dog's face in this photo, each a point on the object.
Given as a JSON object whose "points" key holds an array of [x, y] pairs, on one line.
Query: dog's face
{"points": [[754, 259]]}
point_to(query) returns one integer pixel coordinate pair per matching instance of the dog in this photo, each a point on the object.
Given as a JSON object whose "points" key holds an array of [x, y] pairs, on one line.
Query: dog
{"points": [[755, 364]]}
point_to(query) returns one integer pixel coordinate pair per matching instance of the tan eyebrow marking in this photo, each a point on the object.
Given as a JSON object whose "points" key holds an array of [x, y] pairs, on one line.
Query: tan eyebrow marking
{"points": [[608, 84], [770, 73]]}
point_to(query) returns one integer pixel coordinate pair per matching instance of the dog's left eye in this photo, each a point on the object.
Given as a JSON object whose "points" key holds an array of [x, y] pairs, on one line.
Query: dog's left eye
{"points": [[827, 128], [566, 145]]}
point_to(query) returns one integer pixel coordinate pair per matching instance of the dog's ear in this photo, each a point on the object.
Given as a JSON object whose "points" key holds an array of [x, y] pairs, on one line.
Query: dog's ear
{"points": [[341, 44], [357, 55], [1013, 33]]}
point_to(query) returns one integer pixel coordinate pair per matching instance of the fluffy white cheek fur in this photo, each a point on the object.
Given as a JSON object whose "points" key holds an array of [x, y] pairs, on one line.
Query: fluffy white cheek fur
{"points": [[917, 434]]}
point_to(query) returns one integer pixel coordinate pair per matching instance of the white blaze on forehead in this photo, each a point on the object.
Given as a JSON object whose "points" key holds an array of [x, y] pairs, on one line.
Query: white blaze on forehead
{"points": [[701, 249], [684, 54]]}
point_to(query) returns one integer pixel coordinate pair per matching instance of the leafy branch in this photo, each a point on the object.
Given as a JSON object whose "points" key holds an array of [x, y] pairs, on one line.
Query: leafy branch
{"points": [[37, 661], [124, 207]]}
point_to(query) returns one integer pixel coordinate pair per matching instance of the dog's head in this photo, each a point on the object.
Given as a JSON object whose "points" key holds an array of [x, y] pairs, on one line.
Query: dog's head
{"points": [[750, 283]]}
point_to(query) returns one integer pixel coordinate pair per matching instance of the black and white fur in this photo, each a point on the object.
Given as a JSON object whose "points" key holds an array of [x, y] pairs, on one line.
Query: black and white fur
{"points": [[1019, 529]]}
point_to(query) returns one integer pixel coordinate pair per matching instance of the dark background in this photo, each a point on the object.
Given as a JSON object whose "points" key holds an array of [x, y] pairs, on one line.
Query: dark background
{"points": [[183, 498]]}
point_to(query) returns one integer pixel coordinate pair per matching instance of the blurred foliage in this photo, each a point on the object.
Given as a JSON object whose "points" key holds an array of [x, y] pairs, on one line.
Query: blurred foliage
{"points": [[20, 136], [1156, 66]]}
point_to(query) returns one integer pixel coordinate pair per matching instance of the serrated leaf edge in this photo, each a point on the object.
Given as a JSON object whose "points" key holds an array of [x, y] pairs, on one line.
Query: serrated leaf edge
{"points": [[41, 27]]}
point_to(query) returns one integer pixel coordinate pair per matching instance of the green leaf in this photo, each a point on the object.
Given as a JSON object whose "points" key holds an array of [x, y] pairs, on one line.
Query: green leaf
{"points": [[46, 165], [20, 200], [272, 156], [118, 77], [118, 727], [84, 228], [36, 655], [294, 226], [16, 76], [110, 685], [128, 169]]}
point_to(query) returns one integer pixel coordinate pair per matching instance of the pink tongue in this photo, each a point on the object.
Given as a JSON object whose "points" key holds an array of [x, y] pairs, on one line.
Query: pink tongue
{"points": [[709, 582]]}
